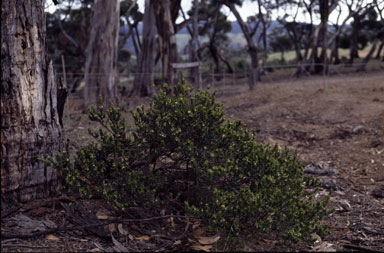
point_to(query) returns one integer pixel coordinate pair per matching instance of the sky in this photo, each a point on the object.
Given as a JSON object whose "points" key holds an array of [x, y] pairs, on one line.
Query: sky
{"points": [[248, 8]]}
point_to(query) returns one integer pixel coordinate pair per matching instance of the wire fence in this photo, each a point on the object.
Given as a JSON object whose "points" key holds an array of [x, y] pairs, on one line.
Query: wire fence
{"points": [[269, 74]]}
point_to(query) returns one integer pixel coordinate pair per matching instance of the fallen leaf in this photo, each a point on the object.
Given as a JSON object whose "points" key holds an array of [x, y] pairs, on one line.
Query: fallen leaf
{"points": [[99, 247], [103, 217], [206, 248], [170, 220], [208, 240], [144, 237], [345, 204], [195, 225], [340, 192], [118, 245], [198, 232], [178, 242], [111, 227], [131, 237], [95, 250], [325, 247], [51, 237], [122, 230], [316, 237]]}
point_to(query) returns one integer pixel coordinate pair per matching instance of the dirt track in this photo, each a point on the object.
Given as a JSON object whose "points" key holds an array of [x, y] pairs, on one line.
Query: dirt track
{"points": [[336, 125]]}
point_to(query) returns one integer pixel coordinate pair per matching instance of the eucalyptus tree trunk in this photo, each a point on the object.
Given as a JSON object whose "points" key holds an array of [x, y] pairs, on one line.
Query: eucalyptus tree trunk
{"points": [[353, 51], [145, 70], [252, 49], [166, 36], [335, 59], [194, 47], [363, 65], [101, 55], [380, 50], [30, 124], [324, 14], [379, 36], [325, 10]]}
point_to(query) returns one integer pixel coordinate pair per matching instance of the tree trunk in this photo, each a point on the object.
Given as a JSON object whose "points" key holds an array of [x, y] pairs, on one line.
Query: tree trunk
{"points": [[324, 13], [30, 124], [379, 50], [145, 70], [215, 57], [353, 53], [252, 49], [300, 69], [320, 64], [368, 57], [101, 63], [264, 37], [335, 59], [167, 38], [221, 57], [379, 35], [282, 58], [194, 46]]}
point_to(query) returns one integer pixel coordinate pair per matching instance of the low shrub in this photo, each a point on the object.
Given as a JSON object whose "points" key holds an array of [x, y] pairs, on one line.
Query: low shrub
{"points": [[184, 151]]}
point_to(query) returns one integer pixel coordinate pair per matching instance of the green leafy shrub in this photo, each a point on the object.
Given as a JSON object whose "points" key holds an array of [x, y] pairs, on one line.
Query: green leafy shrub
{"points": [[184, 150]]}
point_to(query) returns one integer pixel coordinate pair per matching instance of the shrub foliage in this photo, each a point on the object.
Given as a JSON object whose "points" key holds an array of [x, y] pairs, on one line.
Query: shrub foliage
{"points": [[184, 150]]}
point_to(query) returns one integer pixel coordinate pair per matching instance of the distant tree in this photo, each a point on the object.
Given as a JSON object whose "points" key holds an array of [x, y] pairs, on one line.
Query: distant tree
{"points": [[194, 45], [67, 35], [129, 12], [336, 41], [146, 58], [68, 30], [101, 54], [214, 25], [357, 25], [30, 109], [376, 28], [301, 34], [380, 10], [320, 63], [265, 8], [280, 42], [248, 32], [166, 13]]}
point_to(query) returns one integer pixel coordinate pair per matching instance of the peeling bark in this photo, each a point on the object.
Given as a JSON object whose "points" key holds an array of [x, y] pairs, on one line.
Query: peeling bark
{"points": [[193, 47], [30, 124], [144, 76], [101, 55], [166, 12]]}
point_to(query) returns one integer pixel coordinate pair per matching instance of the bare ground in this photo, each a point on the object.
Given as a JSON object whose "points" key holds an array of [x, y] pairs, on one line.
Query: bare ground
{"points": [[335, 124]]}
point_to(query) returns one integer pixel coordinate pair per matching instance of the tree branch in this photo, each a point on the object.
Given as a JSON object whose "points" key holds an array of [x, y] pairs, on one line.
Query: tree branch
{"points": [[65, 33], [181, 25]]}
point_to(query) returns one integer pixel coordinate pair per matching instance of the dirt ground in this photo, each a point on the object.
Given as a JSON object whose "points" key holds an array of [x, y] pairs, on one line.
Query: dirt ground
{"points": [[335, 124]]}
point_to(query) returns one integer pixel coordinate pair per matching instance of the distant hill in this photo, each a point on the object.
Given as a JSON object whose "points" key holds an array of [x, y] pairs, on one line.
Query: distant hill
{"points": [[235, 36]]}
